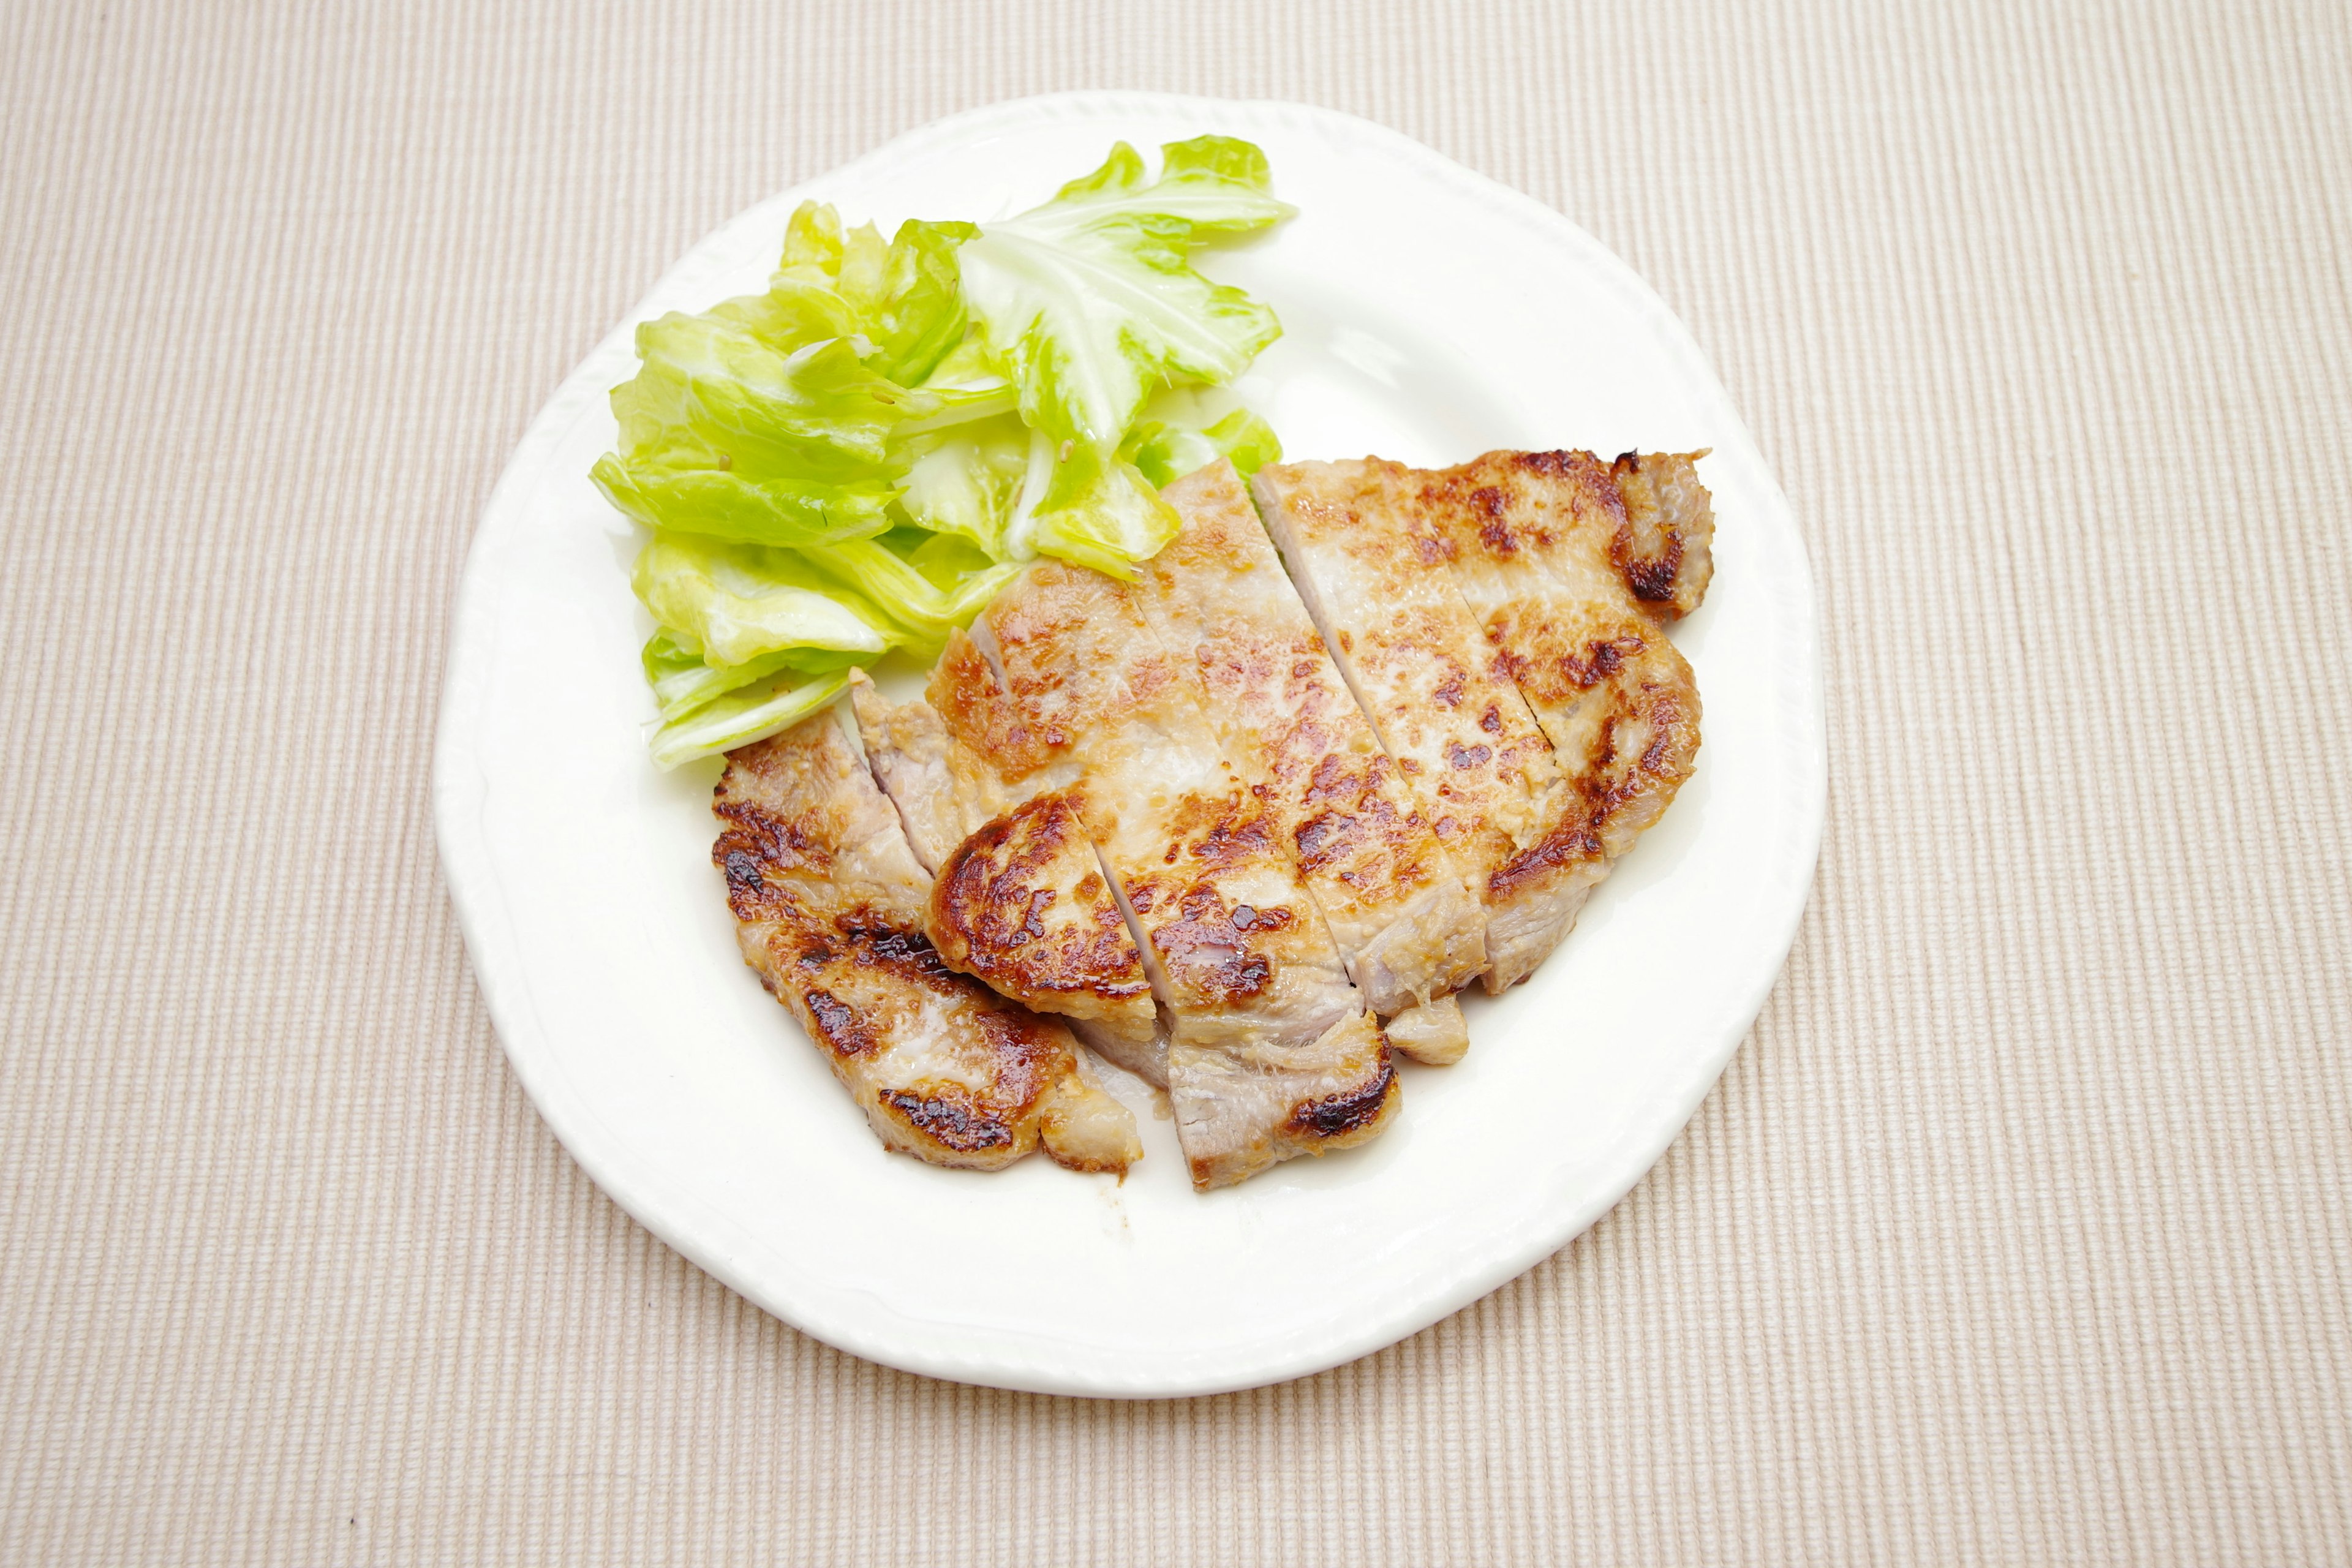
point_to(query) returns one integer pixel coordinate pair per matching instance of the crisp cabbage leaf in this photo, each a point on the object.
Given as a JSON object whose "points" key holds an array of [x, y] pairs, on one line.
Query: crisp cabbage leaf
{"points": [[710, 386], [771, 418], [989, 483], [853, 461], [718, 504], [967, 481], [904, 301], [744, 716], [966, 387], [1089, 302], [915, 612], [728, 432], [683, 681], [1167, 448], [1089, 509], [739, 602]]}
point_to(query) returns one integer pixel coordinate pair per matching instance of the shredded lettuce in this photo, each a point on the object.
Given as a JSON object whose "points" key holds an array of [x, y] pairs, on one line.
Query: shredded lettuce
{"points": [[858, 459]]}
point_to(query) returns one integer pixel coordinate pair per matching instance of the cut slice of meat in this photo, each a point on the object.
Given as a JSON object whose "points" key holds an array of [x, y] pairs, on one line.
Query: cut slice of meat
{"points": [[829, 904], [1023, 904], [1407, 921], [1020, 898], [1570, 564], [1374, 578], [1272, 1052]]}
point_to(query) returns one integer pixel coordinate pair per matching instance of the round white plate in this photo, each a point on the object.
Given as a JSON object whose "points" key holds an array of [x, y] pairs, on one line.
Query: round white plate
{"points": [[1431, 315]]}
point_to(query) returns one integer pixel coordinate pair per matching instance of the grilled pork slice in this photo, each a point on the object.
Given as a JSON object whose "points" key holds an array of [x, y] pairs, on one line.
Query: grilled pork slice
{"points": [[1374, 578], [1570, 564], [1020, 898], [1406, 920], [1272, 1052], [829, 905]]}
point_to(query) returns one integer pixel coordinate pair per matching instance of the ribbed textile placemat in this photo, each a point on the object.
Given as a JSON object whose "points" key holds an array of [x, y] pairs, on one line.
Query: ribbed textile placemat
{"points": [[2017, 1231]]}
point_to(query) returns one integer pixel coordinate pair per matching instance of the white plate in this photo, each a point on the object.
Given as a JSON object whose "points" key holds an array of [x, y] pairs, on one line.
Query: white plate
{"points": [[1431, 315]]}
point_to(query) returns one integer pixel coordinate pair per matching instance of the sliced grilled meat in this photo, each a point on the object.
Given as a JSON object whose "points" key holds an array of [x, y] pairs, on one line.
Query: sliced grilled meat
{"points": [[1375, 579], [1272, 1052], [829, 904], [1407, 921], [1570, 565]]}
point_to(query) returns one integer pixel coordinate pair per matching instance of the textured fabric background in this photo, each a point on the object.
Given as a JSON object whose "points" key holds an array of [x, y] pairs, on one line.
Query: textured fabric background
{"points": [[2017, 1231]]}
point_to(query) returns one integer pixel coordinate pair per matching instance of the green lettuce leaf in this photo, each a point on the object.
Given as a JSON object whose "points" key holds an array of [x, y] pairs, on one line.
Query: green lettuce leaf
{"points": [[1089, 509], [967, 386], [946, 560], [734, 430], [719, 504], [714, 388], [967, 481], [920, 318], [669, 655], [853, 461]]}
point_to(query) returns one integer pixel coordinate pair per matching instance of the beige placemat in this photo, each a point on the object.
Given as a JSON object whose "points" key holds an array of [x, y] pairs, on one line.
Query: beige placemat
{"points": [[2017, 1231]]}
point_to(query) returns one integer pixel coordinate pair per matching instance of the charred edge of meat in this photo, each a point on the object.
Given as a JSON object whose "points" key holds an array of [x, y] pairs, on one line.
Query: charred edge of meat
{"points": [[1337, 1115], [865, 941], [1651, 577], [838, 1025], [1664, 529], [986, 900], [1653, 509], [1575, 842], [1583, 837], [1549, 673], [755, 842], [1562, 465], [946, 1115]]}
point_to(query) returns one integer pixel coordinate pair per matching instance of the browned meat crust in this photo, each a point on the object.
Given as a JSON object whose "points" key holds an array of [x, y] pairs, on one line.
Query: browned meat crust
{"points": [[1002, 904], [1571, 564], [1110, 849], [1373, 572]]}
